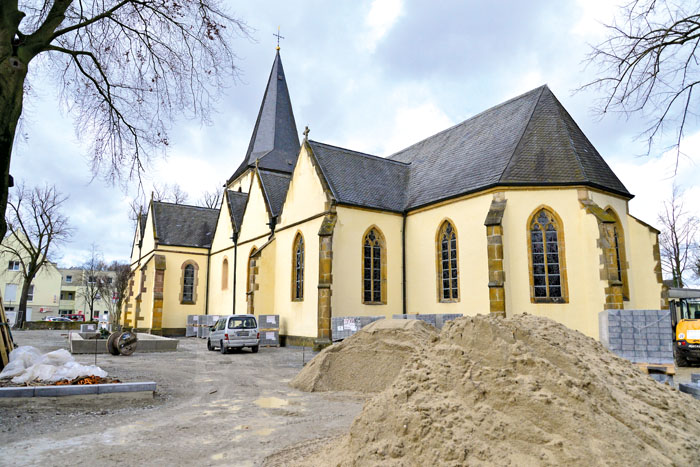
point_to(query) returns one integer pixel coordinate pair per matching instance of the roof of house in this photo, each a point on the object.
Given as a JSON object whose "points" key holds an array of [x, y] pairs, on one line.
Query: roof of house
{"points": [[275, 187], [142, 225], [361, 179], [530, 140], [236, 203], [183, 225], [275, 141]]}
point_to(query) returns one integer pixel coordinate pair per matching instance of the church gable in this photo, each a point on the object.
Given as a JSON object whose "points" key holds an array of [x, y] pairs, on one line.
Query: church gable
{"points": [[224, 227], [256, 215], [307, 194]]}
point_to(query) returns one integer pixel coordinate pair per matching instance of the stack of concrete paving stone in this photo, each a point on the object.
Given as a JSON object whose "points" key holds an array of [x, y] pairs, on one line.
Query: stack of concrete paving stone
{"points": [[641, 336], [204, 322], [345, 326], [269, 327], [192, 325], [437, 320], [88, 327]]}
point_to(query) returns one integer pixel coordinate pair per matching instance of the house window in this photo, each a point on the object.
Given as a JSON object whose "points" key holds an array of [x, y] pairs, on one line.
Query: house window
{"points": [[10, 292], [69, 279], [547, 278], [373, 268], [30, 293], [224, 274], [9, 308], [298, 270], [92, 280], [13, 266], [188, 284], [448, 276], [109, 280]]}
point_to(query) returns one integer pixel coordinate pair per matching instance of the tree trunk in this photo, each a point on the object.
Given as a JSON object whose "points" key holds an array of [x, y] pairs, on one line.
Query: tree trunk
{"points": [[22, 312], [12, 75]]}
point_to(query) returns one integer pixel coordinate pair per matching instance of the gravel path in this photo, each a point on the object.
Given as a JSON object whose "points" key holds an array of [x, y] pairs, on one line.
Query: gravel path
{"points": [[210, 409]]}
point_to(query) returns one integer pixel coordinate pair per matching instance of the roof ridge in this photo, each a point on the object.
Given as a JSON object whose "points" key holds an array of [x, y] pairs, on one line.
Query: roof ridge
{"points": [[363, 154], [235, 192], [184, 205], [522, 135], [275, 174], [469, 119]]}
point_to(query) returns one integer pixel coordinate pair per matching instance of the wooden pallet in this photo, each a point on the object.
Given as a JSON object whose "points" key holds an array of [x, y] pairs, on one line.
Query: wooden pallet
{"points": [[6, 344], [663, 368]]}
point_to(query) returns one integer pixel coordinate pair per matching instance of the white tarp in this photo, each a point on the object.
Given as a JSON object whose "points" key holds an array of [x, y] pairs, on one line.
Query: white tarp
{"points": [[28, 364]]}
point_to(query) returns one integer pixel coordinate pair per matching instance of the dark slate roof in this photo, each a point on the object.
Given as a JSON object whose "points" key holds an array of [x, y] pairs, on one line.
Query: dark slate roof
{"points": [[142, 225], [362, 179], [183, 225], [236, 203], [275, 140], [275, 186], [528, 140]]}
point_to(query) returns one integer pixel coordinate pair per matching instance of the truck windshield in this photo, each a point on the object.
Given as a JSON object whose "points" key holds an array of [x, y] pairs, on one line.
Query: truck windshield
{"points": [[241, 323]]}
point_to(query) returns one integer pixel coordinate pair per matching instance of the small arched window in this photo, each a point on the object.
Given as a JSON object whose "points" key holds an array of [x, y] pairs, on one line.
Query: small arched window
{"points": [[618, 244], [298, 268], [224, 274], [547, 278], [250, 276], [448, 275], [374, 267], [188, 284]]}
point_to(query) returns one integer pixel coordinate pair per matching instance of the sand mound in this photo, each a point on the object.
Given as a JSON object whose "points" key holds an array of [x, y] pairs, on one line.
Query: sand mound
{"points": [[520, 391], [369, 360]]}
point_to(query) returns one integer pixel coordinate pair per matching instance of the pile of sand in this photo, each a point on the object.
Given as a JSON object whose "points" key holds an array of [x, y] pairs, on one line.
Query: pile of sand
{"points": [[369, 360], [520, 391]]}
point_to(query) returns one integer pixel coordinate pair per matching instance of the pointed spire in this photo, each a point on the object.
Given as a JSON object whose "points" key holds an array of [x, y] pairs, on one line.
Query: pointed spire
{"points": [[275, 140]]}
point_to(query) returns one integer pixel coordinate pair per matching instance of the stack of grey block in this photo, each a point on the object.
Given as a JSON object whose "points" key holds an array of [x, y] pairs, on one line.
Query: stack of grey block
{"points": [[88, 327], [192, 325], [269, 326], [437, 320], [345, 326], [641, 336]]}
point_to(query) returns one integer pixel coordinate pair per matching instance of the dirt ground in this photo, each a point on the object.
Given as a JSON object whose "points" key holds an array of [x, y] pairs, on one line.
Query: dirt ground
{"points": [[210, 409]]}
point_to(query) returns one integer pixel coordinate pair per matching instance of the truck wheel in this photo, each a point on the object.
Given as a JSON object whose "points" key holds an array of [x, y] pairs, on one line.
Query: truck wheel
{"points": [[223, 348], [254, 349], [679, 359]]}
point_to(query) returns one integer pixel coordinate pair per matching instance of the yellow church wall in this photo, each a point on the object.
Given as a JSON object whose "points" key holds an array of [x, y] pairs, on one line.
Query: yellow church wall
{"points": [[243, 182], [255, 218], [148, 243], [224, 229], [578, 234], [265, 293], [305, 196], [174, 312], [144, 286], [297, 318], [645, 291], [221, 298], [242, 272], [467, 216], [350, 229]]}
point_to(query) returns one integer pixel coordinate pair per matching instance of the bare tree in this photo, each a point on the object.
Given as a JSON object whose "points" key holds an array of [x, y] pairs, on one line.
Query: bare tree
{"points": [[36, 226], [124, 68], [212, 199], [169, 193], [649, 65], [678, 239], [90, 284], [114, 290]]}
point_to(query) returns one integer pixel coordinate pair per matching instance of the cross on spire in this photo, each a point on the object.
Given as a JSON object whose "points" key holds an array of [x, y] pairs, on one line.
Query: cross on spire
{"points": [[306, 133], [278, 37]]}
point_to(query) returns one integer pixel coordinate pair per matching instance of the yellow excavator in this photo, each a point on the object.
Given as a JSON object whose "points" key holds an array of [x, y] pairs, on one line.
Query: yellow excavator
{"points": [[685, 320]]}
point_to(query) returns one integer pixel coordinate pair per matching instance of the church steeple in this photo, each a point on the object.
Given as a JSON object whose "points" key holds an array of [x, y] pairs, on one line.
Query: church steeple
{"points": [[275, 142]]}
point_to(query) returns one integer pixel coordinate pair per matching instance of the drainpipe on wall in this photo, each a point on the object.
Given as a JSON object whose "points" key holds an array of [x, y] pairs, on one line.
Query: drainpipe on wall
{"points": [[206, 299], [234, 237], [403, 263]]}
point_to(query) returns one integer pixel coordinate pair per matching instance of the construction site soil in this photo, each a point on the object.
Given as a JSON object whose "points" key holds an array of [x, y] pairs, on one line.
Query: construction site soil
{"points": [[520, 391]]}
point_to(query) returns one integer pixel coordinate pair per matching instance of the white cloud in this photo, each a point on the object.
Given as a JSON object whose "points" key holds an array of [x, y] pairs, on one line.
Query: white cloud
{"points": [[381, 17], [594, 14]]}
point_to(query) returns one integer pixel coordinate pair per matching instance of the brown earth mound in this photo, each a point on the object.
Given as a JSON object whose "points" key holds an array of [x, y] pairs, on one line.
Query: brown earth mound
{"points": [[520, 391], [369, 360]]}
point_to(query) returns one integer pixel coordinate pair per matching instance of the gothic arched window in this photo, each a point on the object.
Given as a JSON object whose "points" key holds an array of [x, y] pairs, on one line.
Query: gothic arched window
{"points": [[373, 267], [618, 244], [448, 269], [547, 267], [188, 282], [298, 268]]}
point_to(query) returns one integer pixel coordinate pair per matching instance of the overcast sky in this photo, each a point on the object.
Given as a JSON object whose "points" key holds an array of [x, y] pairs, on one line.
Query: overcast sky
{"points": [[374, 76]]}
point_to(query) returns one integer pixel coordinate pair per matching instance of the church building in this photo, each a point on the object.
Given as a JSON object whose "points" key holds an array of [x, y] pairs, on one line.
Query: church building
{"points": [[510, 211]]}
